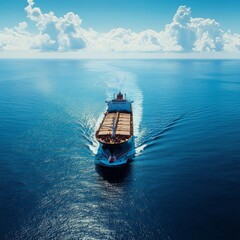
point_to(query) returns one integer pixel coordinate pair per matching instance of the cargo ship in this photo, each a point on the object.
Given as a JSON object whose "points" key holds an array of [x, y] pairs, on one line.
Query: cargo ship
{"points": [[115, 133]]}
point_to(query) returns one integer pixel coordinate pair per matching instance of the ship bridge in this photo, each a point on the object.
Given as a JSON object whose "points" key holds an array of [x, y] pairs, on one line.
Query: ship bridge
{"points": [[119, 104]]}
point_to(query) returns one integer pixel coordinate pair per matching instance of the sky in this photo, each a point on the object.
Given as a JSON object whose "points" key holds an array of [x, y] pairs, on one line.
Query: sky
{"points": [[119, 26]]}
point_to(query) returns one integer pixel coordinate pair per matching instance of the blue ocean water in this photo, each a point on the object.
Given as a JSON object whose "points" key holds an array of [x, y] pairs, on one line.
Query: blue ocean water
{"points": [[183, 182]]}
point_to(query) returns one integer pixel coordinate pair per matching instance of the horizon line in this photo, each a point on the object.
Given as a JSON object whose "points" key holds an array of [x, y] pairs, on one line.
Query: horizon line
{"points": [[117, 55]]}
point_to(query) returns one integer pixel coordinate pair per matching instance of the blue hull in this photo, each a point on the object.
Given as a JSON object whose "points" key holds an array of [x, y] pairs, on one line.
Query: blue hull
{"points": [[120, 152]]}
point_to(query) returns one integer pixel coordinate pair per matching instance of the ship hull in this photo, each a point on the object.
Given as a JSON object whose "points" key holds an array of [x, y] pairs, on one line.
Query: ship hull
{"points": [[121, 153]]}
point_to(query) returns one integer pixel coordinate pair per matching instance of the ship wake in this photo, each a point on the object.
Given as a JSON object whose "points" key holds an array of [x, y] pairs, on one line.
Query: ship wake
{"points": [[116, 79]]}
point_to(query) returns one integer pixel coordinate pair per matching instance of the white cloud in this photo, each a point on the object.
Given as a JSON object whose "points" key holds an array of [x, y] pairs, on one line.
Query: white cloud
{"points": [[63, 34], [232, 42], [121, 40], [30, 2], [194, 34], [16, 38], [57, 34], [21, 27]]}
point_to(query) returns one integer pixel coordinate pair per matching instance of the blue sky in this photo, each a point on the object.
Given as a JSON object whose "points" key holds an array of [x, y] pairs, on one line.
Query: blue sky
{"points": [[103, 15], [126, 26]]}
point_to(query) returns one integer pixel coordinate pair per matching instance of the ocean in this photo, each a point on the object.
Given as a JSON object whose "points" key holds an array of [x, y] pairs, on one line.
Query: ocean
{"points": [[183, 182]]}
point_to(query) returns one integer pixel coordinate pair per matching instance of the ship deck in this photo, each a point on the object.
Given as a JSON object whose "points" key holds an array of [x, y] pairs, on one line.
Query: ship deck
{"points": [[123, 127]]}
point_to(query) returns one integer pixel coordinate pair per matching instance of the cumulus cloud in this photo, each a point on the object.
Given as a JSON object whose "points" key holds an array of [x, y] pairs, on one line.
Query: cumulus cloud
{"points": [[65, 33], [124, 40], [232, 42], [17, 38], [57, 34], [194, 34]]}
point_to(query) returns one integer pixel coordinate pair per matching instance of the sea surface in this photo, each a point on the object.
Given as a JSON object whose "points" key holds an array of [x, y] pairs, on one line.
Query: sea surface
{"points": [[182, 184]]}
